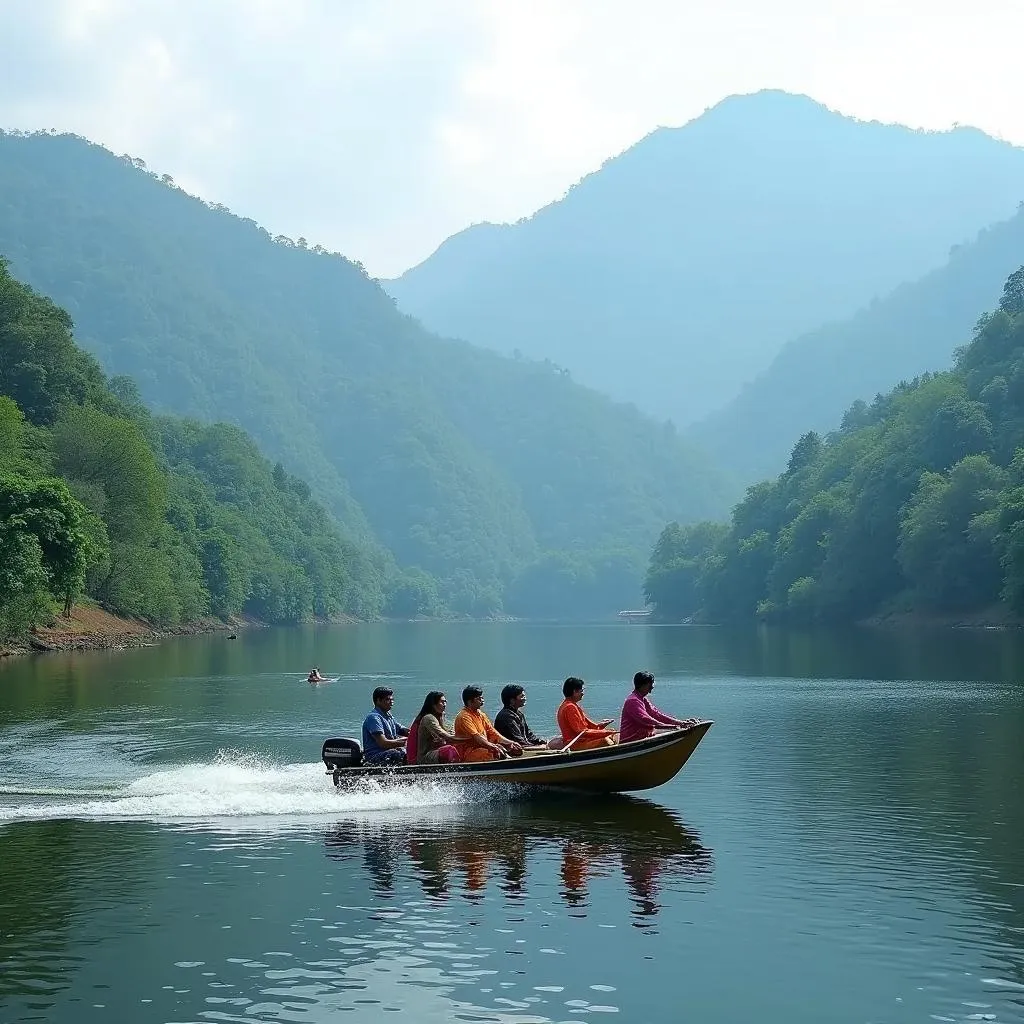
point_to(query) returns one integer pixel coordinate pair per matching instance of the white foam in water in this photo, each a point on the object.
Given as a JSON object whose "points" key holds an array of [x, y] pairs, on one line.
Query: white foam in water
{"points": [[232, 786]]}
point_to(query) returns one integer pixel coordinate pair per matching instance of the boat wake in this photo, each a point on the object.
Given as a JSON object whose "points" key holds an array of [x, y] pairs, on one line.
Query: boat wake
{"points": [[238, 786]]}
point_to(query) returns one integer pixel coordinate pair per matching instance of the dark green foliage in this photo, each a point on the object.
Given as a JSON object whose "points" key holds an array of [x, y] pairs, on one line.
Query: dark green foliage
{"points": [[412, 593], [266, 547], [917, 502], [41, 368], [456, 460], [946, 548], [24, 587], [677, 565], [43, 549], [163, 519]]}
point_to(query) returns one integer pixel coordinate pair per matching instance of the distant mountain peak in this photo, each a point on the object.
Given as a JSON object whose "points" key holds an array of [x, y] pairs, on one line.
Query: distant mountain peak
{"points": [[674, 273]]}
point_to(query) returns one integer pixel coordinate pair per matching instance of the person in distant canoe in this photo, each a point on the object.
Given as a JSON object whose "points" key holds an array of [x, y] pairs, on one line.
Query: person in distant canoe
{"points": [[383, 737], [576, 728], [475, 736], [430, 739], [511, 722], [315, 677], [640, 718]]}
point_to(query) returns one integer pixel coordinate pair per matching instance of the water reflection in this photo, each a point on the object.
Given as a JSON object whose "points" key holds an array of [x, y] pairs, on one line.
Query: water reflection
{"points": [[460, 856]]}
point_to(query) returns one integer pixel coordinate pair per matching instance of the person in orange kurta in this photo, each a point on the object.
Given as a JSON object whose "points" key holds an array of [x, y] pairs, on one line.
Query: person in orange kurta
{"points": [[572, 721], [475, 737]]}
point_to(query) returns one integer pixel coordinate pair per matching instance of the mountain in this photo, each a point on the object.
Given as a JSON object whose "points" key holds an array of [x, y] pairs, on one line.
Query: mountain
{"points": [[465, 464], [154, 517], [916, 504], [677, 271], [816, 376]]}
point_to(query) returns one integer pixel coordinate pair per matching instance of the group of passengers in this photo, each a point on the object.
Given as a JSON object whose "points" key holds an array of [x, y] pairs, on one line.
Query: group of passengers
{"points": [[473, 737]]}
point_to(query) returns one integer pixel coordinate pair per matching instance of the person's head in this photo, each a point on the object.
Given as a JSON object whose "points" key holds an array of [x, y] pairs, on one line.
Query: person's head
{"points": [[572, 688], [643, 683], [513, 696], [434, 704], [383, 698], [473, 697]]}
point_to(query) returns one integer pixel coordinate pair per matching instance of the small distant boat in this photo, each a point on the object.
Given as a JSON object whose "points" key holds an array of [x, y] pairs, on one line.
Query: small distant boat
{"points": [[635, 614], [623, 768]]}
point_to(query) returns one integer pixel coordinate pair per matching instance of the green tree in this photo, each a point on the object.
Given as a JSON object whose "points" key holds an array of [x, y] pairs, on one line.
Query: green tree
{"points": [[918, 499], [42, 521], [413, 592], [41, 368], [945, 555], [112, 453], [675, 575]]}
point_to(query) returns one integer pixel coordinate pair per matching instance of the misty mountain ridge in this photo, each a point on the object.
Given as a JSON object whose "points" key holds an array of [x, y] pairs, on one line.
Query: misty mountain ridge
{"points": [[463, 463], [816, 377], [675, 273]]}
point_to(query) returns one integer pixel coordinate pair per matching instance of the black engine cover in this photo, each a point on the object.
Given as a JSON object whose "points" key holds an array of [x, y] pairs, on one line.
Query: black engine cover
{"points": [[342, 753]]}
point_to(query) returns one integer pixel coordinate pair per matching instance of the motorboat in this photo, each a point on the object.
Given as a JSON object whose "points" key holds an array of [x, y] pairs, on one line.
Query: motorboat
{"points": [[620, 768]]}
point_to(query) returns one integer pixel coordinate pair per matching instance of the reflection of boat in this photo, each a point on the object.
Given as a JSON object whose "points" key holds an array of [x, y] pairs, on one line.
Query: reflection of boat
{"points": [[461, 853], [642, 764]]}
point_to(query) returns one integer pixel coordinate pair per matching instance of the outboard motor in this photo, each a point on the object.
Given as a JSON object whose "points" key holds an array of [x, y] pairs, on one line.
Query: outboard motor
{"points": [[340, 754]]}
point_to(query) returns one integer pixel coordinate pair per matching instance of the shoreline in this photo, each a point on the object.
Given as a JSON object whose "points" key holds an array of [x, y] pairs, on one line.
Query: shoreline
{"points": [[91, 628], [985, 619]]}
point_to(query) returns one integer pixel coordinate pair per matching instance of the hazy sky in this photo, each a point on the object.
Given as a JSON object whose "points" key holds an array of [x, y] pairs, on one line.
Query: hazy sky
{"points": [[379, 127]]}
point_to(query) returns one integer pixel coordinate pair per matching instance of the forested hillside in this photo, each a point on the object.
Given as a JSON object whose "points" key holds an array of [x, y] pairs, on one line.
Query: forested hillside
{"points": [[815, 377], [676, 272], [157, 518], [472, 468], [915, 503]]}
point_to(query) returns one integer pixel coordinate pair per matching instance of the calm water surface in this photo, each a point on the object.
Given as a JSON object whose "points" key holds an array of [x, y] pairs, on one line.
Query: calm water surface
{"points": [[846, 845]]}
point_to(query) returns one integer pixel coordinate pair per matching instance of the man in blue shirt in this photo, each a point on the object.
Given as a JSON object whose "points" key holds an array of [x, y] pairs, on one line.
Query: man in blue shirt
{"points": [[383, 737]]}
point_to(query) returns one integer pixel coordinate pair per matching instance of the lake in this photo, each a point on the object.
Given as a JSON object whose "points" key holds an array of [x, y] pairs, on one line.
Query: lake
{"points": [[846, 845]]}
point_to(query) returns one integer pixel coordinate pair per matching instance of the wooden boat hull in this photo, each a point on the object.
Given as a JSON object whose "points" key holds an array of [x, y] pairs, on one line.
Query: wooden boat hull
{"points": [[623, 768]]}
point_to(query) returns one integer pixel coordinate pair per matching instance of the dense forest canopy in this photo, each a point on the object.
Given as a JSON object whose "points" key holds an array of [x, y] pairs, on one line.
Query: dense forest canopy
{"points": [[915, 503], [906, 333], [164, 519], [483, 475], [676, 272]]}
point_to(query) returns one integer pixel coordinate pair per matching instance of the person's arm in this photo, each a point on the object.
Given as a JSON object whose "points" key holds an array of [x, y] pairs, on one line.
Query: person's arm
{"points": [[478, 739], [384, 743], [434, 727], [638, 716], [502, 742], [661, 718], [481, 739], [576, 722]]}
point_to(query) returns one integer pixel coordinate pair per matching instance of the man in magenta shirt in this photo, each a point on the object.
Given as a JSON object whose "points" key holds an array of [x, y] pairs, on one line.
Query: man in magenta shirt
{"points": [[640, 718]]}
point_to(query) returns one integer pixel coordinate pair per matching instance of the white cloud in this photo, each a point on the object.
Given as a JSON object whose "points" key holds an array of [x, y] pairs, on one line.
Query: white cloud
{"points": [[381, 126]]}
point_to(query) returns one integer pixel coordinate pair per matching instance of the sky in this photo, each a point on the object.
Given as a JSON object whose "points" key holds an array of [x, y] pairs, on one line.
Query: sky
{"points": [[380, 127]]}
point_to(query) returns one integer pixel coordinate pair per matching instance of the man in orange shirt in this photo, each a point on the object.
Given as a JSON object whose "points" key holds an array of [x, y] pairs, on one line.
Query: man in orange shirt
{"points": [[476, 738], [574, 724]]}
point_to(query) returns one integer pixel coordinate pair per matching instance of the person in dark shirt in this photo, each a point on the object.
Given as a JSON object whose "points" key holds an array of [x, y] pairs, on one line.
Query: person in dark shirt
{"points": [[511, 722]]}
